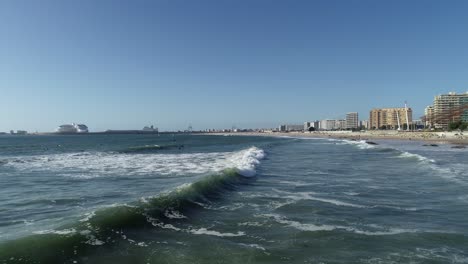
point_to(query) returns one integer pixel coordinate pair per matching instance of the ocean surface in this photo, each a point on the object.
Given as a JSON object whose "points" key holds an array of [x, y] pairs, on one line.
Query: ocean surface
{"points": [[230, 199]]}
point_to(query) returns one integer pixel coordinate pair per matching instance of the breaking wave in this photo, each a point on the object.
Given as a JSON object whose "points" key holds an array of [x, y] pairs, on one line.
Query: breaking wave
{"points": [[88, 165], [101, 226]]}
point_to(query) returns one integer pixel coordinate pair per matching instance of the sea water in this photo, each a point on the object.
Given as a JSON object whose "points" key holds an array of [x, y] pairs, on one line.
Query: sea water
{"points": [[230, 199]]}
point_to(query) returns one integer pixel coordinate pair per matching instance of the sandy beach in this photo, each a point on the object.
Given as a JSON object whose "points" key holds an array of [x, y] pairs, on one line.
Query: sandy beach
{"points": [[457, 138]]}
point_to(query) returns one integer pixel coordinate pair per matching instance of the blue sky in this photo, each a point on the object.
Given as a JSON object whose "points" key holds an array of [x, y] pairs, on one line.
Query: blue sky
{"points": [[125, 64]]}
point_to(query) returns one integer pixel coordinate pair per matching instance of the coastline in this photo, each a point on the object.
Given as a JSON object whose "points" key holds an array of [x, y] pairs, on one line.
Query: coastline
{"points": [[454, 138]]}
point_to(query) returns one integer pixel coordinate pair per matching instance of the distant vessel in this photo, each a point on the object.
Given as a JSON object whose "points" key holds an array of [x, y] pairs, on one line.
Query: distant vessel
{"points": [[81, 128], [150, 129], [72, 129]]}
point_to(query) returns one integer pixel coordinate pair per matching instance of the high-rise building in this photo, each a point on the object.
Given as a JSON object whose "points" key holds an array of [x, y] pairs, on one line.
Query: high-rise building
{"points": [[429, 116], [306, 126], [448, 108], [390, 118], [352, 120]]}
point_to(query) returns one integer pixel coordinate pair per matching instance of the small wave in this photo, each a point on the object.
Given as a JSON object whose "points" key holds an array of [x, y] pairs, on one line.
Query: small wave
{"points": [[204, 231], [377, 231], [416, 156], [361, 144], [454, 173], [299, 226], [57, 232], [295, 183], [256, 246], [256, 224], [336, 202], [351, 193], [311, 196], [150, 148]]}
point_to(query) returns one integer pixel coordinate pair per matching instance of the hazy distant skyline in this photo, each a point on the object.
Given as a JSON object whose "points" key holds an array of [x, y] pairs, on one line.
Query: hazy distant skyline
{"points": [[127, 64]]}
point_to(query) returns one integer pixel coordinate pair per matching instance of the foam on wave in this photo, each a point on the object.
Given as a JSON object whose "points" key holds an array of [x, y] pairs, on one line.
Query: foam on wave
{"points": [[361, 144], [89, 165], [421, 158], [163, 211], [373, 229], [246, 161]]}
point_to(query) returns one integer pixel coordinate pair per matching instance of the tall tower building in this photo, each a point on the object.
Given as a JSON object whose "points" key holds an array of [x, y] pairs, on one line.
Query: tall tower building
{"points": [[352, 120]]}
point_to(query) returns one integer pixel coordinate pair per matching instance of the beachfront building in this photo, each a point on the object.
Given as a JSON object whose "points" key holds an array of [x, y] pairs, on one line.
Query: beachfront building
{"points": [[352, 120], [390, 118], [418, 124], [327, 124], [340, 124], [450, 108], [307, 125], [332, 124], [290, 128], [316, 125], [364, 124], [429, 116]]}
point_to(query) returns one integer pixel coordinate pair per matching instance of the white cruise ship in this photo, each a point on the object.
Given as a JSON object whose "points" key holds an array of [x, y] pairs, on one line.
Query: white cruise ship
{"points": [[80, 128], [72, 128]]}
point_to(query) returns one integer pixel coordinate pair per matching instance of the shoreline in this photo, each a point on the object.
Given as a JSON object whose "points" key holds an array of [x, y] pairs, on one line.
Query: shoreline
{"points": [[428, 137]]}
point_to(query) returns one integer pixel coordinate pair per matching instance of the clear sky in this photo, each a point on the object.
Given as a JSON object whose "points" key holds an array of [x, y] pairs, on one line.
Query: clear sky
{"points": [[251, 63]]}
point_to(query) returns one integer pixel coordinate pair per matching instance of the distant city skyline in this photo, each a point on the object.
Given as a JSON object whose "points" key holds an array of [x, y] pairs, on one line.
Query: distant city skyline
{"points": [[218, 64]]}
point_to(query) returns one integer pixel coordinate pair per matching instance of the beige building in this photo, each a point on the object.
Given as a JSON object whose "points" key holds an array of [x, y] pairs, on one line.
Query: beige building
{"points": [[448, 108], [429, 116], [390, 118]]}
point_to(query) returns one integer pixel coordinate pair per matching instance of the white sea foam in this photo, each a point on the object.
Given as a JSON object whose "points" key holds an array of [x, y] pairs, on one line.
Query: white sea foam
{"points": [[297, 225], [246, 161], [251, 224], [351, 193], [362, 144], [204, 231], [157, 223], [173, 214], [336, 202], [416, 156], [443, 254], [88, 165], [57, 232], [376, 230], [312, 196], [296, 183], [88, 216], [256, 246], [455, 173], [201, 231]]}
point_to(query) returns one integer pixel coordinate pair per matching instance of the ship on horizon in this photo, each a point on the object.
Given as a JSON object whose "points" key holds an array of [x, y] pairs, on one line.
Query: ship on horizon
{"points": [[72, 128]]}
